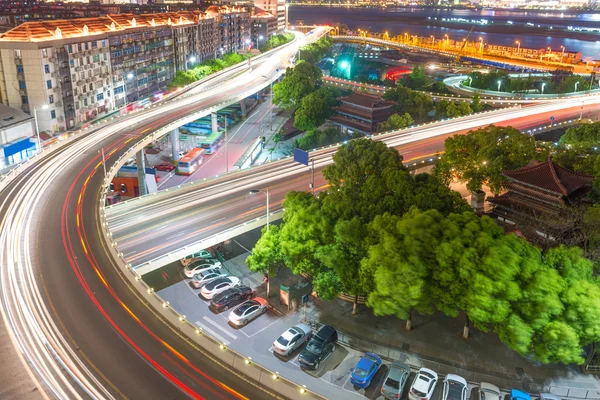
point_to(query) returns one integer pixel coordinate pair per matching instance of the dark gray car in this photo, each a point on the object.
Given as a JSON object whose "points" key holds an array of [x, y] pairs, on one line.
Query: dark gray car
{"points": [[396, 379]]}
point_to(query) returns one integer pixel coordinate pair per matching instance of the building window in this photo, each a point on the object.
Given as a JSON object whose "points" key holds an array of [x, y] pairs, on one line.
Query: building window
{"points": [[70, 48], [24, 100], [53, 114], [72, 63], [86, 46], [85, 102], [45, 52], [97, 58], [79, 47], [18, 53], [51, 99], [119, 90], [99, 97], [46, 68], [91, 87], [20, 69], [49, 83], [22, 85]]}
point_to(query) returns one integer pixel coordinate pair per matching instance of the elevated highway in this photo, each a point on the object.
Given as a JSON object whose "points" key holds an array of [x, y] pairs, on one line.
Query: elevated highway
{"points": [[155, 230], [80, 329]]}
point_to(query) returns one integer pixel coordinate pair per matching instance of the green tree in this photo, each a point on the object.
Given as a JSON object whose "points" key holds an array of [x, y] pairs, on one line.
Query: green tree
{"points": [[266, 254], [417, 104], [481, 156], [448, 109], [327, 285], [558, 342], [297, 83], [417, 79], [476, 105], [582, 135], [316, 138], [314, 109], [395, 121]]}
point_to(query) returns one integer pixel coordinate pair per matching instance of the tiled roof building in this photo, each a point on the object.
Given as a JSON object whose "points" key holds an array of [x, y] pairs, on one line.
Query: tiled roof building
{"points": [[362, 112], [541, 197]]}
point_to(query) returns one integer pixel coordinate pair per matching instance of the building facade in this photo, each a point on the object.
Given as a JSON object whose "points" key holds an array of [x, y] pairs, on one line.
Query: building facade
{"points": [[264, 25], [278, 8], [361, 113], [83, 67], [17, 136]]}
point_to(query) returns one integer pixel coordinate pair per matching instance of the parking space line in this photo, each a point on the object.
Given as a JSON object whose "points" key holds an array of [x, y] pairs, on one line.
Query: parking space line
{"points": [[256, 333], [213, 333], [213, 323], [340, 387]]}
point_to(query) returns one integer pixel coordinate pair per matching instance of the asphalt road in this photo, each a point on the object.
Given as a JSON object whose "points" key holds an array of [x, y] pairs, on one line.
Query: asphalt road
{"points": [[150, 227], [56, 267]]}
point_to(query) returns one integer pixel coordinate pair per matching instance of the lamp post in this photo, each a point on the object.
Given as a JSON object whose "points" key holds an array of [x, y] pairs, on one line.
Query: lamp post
{"points": [[518, 46], [447, 40], [192, 60], [248, 41], [576, 84], [226, 141], [37, 128], [129, 77], [265, 192], [562, 54], [470, 78], [260, 37], [499, 83], [432, 40], [481, 45], [543, 86], [271, 101]]}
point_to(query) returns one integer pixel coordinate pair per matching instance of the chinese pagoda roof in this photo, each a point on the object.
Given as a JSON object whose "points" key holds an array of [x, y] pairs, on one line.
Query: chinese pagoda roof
{"points": [[550, 177], [366, 100]]}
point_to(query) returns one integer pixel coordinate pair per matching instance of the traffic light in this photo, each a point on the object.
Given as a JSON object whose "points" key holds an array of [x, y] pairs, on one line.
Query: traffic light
{"points": [[123, 188]]}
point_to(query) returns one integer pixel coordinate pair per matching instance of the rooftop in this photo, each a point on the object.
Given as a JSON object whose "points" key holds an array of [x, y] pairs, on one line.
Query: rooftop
{"points": [[551, 177], [366, 100], [39, 31], [10, 116]]}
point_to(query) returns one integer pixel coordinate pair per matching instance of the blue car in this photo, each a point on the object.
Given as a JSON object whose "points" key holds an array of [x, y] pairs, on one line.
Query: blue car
{"points": [[365, 370]]}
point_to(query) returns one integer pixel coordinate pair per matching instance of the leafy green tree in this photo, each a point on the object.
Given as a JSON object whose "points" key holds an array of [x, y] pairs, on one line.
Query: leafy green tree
{"points": [[327, 285], [431, 193], [584, 134], [476, 105], [417, 79], [314, 109], [395, 121], [297, 83], [558, 342], [417, 104], [314, 52], [316, 138], [448, 109], [481, 156], [266, 255]]}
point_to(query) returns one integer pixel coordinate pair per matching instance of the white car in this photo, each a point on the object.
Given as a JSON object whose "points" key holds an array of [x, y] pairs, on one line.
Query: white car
{"points": [[205, 254], [291, 339], [218, 285], [487, 391], [200, 265], [424, 384], [206, 276], [248, 310], [455, 388]]}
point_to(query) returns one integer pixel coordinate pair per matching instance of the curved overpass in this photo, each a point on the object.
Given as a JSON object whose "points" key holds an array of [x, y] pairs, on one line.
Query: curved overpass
{"points": [[81, 329]]}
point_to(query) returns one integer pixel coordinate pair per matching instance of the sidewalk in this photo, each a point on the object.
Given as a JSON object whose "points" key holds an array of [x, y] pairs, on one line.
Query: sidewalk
{"points": [[435, 342]]}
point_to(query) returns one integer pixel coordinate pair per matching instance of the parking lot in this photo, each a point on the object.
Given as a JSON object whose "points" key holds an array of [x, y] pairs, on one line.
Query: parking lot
{"points": [[254, 340]]}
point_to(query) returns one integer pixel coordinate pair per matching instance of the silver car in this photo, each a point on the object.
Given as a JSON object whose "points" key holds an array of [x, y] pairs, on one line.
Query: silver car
{"points": [[395, 381], [208, 275], [291, 339], [248, 310]]}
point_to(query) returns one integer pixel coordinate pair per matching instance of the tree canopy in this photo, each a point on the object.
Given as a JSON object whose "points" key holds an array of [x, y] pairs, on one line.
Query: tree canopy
{"points": [[481, 155], [298, 82], [314, 108], [417, 104], [395, 121]]}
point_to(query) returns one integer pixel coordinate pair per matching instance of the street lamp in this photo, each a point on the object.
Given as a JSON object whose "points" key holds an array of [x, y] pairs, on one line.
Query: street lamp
{"points": [[37, 128], [260, 37], [499, 83], [470, 78], [518, 46], [271, 100], [562, 54], [543, 86], [432, 40], [576, 84], [481, 45], [265, 192], [226, 141], [192, 60], [447, 40]]}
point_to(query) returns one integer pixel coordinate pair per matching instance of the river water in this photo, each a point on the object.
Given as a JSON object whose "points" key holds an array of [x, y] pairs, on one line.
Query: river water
{"points": [[534, 29]]}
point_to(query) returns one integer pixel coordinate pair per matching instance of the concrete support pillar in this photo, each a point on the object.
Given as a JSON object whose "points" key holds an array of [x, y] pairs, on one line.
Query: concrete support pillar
{"points": [[214, 122], [243, 106], [141, 172], [175, 144]]}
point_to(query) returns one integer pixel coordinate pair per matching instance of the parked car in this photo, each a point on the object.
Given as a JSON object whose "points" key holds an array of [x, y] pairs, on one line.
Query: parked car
{"points": [[455, 388], [365, 370], [519, 395], [319, 348], [218, 285], [231, 298], [205, 254], [487, 391], [248, 310], [423, 385], [200, 265], [164, 166], [208, 275], [395, 381], [291, 339]]}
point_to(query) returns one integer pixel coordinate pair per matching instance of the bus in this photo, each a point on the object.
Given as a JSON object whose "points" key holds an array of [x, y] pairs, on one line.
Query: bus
{"points": [[190, 162], [212, 143]]}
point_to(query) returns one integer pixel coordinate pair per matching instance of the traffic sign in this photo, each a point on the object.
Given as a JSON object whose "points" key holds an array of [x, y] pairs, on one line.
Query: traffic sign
{"points": [[552, 118]]}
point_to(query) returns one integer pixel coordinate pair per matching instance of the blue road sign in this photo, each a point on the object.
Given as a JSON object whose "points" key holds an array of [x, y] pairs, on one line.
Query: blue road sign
{"points": [[305, 299], [301, 156], [552, 118]]}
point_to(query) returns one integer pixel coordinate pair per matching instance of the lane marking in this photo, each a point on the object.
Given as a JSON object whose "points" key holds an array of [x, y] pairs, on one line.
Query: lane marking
{"points": [[215, 324], [213, 333]]}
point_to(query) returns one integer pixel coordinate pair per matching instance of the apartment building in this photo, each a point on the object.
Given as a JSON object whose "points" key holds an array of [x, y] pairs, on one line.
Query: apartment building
{"points": [[264, 25], [278, 8], [84, 67]]}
